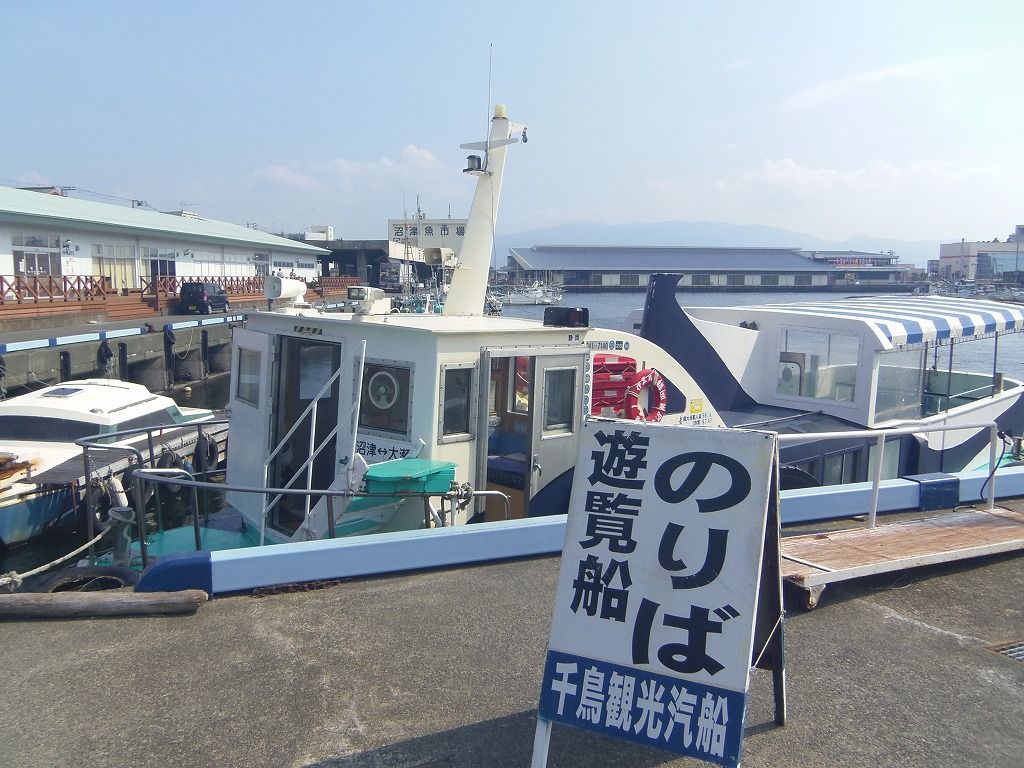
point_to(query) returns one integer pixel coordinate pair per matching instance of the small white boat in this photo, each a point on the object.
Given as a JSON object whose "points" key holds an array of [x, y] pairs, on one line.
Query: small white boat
{"points": [[536, 294], [38, 432]]}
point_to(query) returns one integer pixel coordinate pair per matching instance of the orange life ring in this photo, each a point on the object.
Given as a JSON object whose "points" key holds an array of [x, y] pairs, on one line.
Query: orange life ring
{"points": [[657, 395]]}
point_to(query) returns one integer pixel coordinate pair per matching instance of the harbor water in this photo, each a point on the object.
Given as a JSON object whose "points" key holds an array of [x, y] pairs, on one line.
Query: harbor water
{"points": [[609, 310]]}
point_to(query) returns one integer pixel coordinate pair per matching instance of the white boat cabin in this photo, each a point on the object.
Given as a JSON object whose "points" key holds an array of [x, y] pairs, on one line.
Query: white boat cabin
{"points": [[503, 399], [874, 361]]}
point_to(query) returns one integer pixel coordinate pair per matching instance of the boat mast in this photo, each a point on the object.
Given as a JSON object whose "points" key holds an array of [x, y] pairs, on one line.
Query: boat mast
{"points": [[468, 288]]}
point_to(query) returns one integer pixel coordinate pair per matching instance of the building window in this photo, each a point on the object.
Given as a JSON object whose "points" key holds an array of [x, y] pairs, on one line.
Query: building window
{"points": [[36, 255], [802, 280], [769, 279], [735, 279], [629, 279], [700, 279]]}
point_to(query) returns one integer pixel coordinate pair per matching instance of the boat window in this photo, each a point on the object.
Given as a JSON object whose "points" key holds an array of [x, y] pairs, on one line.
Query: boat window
{"points": [[247, 389], [890, 459], [519, 394], [456, 401], [839, 468], [818, 364], [46, 430], [386, 398], [160, 418], [900, 385], [559, 400]]}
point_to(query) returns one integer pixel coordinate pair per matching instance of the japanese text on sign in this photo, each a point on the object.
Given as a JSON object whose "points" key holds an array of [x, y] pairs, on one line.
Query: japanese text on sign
{"points": [[653, 627]]}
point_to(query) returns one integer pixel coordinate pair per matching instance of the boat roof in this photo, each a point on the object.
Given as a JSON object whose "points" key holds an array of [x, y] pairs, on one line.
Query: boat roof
{"points": [[899, 321], [95, 401], [430, 322]]}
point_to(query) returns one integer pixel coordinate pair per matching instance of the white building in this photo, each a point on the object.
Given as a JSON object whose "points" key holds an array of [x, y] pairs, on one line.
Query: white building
{"points": [[982, 260], [50, 235]]}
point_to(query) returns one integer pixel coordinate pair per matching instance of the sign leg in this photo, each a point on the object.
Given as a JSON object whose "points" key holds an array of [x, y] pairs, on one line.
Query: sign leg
{"points": [[779, 692], [541, 740]]}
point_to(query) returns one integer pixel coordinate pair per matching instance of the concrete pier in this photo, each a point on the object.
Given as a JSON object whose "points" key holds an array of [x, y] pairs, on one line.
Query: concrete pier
{"points": [[443, 668], [159, 353]]}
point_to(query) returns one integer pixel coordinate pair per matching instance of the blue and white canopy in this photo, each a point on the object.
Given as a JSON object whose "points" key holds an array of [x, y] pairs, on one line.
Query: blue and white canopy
{"points": [[907, 320]]}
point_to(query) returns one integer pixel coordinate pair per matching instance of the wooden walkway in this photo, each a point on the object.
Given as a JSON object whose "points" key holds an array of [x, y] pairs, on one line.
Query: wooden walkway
{"points": [[812, 561]]}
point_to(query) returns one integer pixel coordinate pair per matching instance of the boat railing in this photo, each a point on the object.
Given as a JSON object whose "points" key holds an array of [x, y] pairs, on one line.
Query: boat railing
{"points": [[314, 449], [458, 496], [880, 435], [140, 457]]}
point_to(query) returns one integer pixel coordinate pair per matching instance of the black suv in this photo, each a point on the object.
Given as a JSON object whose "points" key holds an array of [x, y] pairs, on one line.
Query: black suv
{"points": [[202, 298]]}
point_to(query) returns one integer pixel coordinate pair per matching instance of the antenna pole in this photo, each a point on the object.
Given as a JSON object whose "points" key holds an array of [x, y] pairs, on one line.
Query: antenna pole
{"points": [[490, 62]]}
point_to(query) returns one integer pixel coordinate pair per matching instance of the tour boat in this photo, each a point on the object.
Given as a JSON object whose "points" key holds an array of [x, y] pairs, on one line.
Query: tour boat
{"points": [[853, 364]]}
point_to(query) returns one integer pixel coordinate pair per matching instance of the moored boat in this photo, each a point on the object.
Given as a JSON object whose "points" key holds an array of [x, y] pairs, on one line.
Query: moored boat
{"points": [[367, 420], [863, 363], [38, 431]]}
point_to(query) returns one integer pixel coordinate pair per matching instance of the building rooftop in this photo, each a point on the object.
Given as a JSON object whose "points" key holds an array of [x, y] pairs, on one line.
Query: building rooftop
{"points": [[27, 208], [663, 258]]}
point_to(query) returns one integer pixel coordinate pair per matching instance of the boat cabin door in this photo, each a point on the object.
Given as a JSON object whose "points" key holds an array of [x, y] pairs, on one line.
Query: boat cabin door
{"points": [[533, 413], [303, 442]]}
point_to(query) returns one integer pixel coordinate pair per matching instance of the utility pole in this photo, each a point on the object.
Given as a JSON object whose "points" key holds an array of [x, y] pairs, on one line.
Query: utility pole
{"points": [[1018, 233]]}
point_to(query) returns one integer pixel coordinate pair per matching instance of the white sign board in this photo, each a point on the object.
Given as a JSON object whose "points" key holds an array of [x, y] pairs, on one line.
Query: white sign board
{"points": [[653, 624]]}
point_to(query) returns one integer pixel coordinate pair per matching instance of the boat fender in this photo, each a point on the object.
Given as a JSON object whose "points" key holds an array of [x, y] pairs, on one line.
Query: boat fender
{"points": [[105, 357], [207, 453], [86, 578], [657, 394], [128, 484], [170, 460]]}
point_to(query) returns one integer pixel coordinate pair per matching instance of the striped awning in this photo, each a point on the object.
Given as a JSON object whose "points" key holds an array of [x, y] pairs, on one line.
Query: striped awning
{"points": [[905, 320]]}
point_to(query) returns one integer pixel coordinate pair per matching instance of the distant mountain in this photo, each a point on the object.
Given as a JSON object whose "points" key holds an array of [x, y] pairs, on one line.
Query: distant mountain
{"points": [[709, 233]]}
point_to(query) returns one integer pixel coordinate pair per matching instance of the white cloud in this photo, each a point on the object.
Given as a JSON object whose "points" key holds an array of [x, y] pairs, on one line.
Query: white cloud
{"points": [[288, 177], [843, 87], [33, 179], [421, 158], [914, 201]]}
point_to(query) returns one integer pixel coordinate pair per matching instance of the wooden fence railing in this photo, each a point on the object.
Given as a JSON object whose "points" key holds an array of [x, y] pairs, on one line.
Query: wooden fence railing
{"points": [[171, 285], [21, 289]]}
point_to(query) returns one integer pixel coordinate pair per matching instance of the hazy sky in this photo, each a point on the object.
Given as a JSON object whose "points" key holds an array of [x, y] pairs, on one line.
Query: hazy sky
{"points": [[891, 119]]}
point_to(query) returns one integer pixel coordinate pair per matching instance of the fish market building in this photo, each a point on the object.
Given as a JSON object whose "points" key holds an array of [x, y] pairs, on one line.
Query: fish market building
{"points": [[624, 268]]}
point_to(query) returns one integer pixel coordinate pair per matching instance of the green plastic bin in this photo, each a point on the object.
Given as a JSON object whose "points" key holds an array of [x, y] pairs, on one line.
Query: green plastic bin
{"points": [[410, 476]]}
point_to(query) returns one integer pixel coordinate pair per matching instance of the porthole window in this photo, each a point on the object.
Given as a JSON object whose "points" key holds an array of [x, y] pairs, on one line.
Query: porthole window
{"points": [[386, 399]]}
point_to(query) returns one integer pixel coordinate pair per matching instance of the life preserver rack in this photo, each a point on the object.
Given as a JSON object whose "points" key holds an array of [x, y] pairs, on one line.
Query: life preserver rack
{"points": [[657, 394]]}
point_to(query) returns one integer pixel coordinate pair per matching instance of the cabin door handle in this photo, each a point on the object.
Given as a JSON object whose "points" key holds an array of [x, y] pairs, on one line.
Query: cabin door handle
{"points": [[536, 465]]}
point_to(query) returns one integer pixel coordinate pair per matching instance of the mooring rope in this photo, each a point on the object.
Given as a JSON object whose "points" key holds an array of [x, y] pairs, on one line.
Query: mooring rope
{"points": [[12, 580]]}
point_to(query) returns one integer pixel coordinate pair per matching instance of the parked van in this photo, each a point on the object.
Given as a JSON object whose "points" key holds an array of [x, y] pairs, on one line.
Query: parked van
{"points": [[202, 299]]}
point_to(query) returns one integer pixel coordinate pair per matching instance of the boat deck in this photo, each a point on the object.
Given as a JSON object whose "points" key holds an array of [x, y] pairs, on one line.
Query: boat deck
{"points": [[181, 441], [811, 561]]}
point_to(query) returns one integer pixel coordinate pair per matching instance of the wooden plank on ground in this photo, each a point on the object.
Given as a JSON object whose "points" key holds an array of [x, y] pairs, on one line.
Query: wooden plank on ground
{"points": [[821, 558]]}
